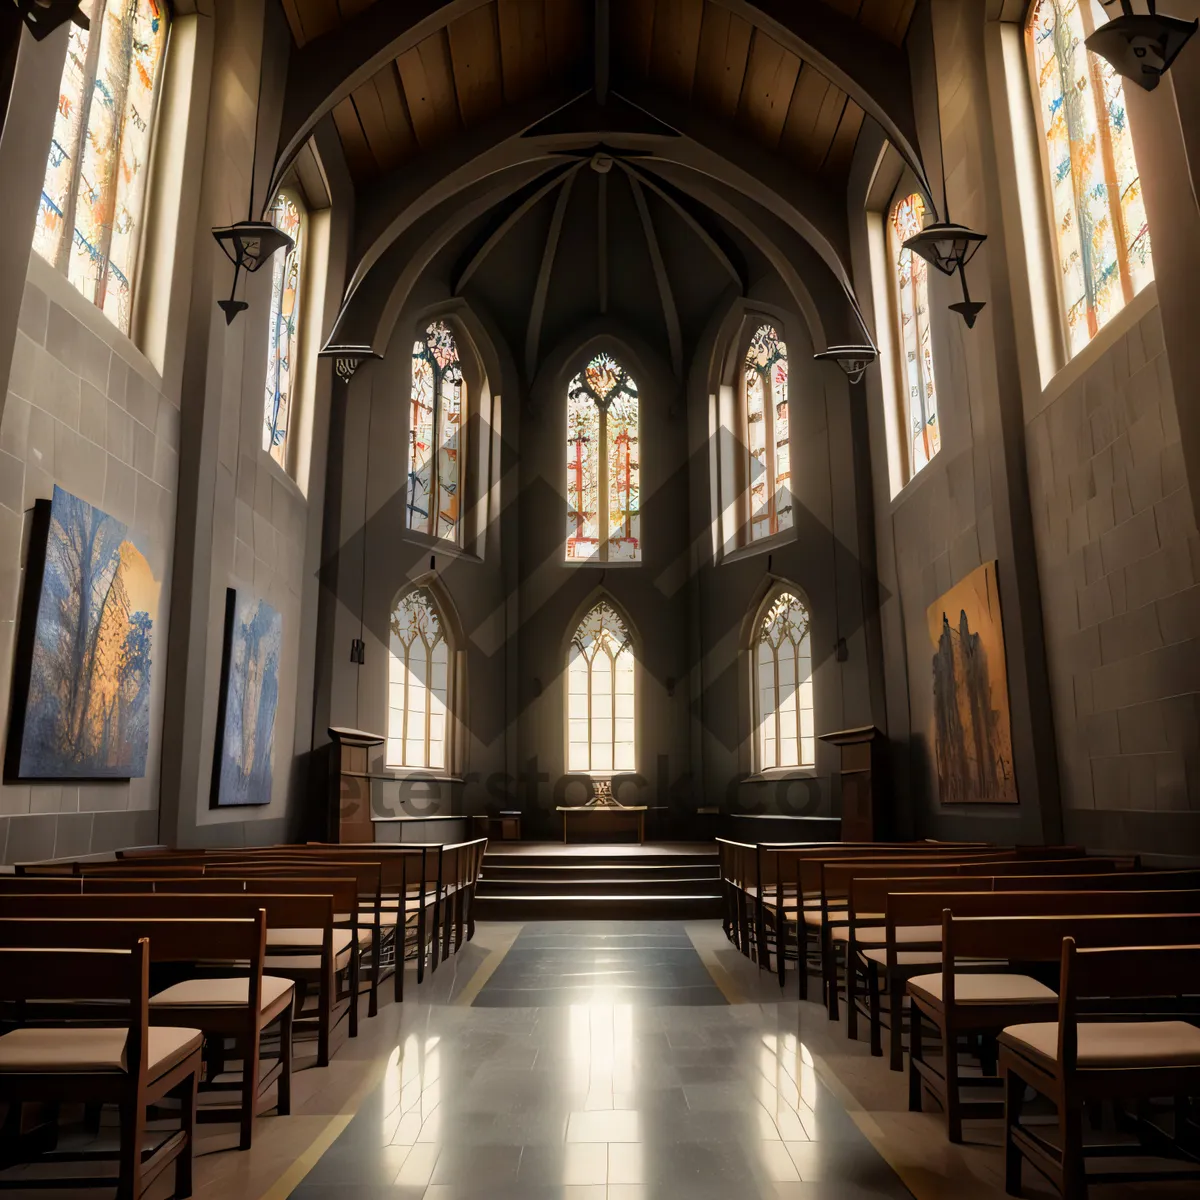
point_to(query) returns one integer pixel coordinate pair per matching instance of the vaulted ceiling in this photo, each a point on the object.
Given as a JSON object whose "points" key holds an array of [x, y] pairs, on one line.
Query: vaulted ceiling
{"points": [[747, 112], [507, 50]]}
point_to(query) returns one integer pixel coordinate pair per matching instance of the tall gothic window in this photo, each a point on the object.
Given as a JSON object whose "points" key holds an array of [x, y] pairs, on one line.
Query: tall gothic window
{"points": [[766, 409], [1099, 217], [418, 684], [603, 465], [283, 359], [600, 695], [435, 434], [783, 694], [89, 222], [919, 418]]}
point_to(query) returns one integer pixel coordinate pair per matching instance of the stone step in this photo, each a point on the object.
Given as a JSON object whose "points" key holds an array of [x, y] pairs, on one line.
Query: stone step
{"points": [[612, 907], [623, 883]]}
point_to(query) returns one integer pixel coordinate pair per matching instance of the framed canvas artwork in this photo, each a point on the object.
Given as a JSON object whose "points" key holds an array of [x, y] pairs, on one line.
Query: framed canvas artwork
{"points": [[971, 729], [249, 699], [85, 649]]}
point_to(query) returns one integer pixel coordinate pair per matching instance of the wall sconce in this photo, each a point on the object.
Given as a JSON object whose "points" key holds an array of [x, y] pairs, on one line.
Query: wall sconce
{"points": [[854, 360], [247, 244], [43, 17], [1141, 46], [949, 247], [347, 358]]}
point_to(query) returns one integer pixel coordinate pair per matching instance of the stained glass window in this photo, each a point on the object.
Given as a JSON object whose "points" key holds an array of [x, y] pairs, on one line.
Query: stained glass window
{"points": [[1099, 216], [770, 466], [89, 220], [418, 684], [603, 465], [435, 455], [600, 695], [916, 350], [283, 362], [783, 689]]}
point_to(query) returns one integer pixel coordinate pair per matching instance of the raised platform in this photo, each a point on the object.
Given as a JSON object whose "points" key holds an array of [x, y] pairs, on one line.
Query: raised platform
{"points": [[548, 881]]}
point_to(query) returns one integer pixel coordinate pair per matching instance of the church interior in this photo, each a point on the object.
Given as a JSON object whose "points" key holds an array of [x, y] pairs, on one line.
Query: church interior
{"points": [[599, 599]]}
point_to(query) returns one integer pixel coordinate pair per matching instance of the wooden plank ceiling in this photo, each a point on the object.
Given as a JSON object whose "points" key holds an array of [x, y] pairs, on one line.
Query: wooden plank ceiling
{"points": [[507, 50]]}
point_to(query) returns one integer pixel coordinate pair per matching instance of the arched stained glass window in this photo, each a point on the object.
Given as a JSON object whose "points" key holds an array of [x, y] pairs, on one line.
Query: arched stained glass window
{"points": [[418, 684], [1099, 217], [435, 434], [782, 658], [766, 404], [603, 465], [916, 348], [89, 222], [283, 360], [600, 695]]}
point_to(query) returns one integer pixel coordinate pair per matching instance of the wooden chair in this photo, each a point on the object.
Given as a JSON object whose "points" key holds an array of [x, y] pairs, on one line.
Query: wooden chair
{"points": [[125, 1062], [303, 944], [971, 1003], [239, 1007], [1076, 1061]]}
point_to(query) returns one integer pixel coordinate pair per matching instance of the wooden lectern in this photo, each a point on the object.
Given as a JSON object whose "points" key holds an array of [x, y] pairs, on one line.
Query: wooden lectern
{"points": [[864, 782], [350, 785]]}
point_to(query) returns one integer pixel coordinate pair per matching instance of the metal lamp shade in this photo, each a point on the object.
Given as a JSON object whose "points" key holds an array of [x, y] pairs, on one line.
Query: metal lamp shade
{"points": [[854, 360], [1141, 47], [946, 245], [249, 244]]}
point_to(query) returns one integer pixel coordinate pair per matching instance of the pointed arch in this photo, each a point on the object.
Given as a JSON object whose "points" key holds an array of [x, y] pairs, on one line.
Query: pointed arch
{"points": [[909, 286], [437, 434], [601, 691], [780, 653], [603, 464], [423, 683]]}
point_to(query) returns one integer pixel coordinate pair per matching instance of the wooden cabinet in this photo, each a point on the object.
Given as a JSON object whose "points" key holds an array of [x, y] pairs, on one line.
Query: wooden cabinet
{"points": [[350, 785], [865, 795]]}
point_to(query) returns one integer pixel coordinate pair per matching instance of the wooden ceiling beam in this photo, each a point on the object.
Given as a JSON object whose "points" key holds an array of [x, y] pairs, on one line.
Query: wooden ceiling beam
{"points": [[870, 69], [329, 68]]}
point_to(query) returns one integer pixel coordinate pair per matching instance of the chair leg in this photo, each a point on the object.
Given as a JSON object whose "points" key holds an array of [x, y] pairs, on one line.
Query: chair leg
{"points": [[873, 1000], [896, 991], [187, 1123], [376, 943], [781, 937], [448, 931], [916, 1054], [851, 993], [1014, 1095], [129, 1177], [802, 950], [460, 900], [250, 1067], [421, 941], [953, 1103], [284, 1090], [831, 975], [1074, 1172], [325, 1018], [354, 985]]}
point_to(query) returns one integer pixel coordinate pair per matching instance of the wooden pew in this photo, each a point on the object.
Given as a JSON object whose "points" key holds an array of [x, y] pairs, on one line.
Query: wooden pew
{"points": [[1076, 1062], [221, 1007], [962, 1001], [301, 944], [125, 1063]]}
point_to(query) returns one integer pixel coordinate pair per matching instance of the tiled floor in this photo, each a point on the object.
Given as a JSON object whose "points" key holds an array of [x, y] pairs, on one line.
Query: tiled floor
{"points": [[446, 1097], [601, 1060]]}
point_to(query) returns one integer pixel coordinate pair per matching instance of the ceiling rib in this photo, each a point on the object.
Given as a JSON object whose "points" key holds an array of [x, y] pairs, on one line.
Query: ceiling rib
{"points": [[602, 242], [537, 308], [670, 312]]}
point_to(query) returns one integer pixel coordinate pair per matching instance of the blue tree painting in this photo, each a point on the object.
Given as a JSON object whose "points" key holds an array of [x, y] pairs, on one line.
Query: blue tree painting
{"points": [[87, 705], [251, 700]]}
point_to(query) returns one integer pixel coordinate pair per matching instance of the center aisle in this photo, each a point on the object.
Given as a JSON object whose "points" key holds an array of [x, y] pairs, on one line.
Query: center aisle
{"points": [[599, 1061]]}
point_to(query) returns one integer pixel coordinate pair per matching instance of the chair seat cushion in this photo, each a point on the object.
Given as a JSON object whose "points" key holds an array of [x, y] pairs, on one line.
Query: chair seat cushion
{"points": [[986, 988], [36, 1049], [1112, 1043], [221, 993], [867, 935], [904, 958], [305, 938]]}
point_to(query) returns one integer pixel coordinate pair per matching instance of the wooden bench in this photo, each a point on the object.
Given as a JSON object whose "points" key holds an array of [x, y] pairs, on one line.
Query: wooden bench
{"points": [[960, 1000], [124, 1062], [1076, 1060]]}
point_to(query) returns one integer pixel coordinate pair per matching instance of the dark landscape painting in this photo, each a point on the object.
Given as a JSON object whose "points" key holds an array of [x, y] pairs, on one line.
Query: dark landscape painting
{"points": [[250, 698], [82, 702], [971, 730]]}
